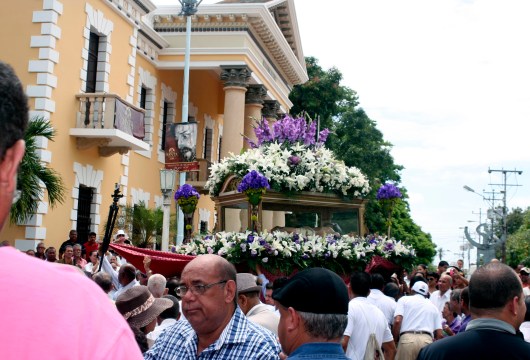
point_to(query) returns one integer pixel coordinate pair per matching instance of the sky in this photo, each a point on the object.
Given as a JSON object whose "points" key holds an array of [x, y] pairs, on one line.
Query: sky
{"points": [[447, 83]]}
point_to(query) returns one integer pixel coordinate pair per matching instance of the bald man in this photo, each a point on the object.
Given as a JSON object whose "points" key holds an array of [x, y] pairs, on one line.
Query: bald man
{"points": [[215, 327]]}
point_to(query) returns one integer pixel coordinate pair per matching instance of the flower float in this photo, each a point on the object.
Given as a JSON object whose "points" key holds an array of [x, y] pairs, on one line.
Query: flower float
{"points": [[293, 159]]}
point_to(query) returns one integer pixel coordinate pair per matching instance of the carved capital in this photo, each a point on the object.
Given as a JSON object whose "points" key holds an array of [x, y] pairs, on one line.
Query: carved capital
{"points": [[255, 94], [270, 109], [236, 75]]}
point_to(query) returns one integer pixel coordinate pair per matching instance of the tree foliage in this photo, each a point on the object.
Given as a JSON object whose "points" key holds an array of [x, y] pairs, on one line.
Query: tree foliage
{"points": [[356, 140], [322, 95], [518, 241], [146, 224], [34, 176]]}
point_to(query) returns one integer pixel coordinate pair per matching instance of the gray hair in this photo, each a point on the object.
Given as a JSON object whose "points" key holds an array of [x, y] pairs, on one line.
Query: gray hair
{"points": [[156, 285], [328, 326], [77, 246]]}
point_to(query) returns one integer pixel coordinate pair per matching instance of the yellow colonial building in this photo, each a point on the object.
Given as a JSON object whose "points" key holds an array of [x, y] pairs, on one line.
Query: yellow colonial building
{"points": [[85, 63]]}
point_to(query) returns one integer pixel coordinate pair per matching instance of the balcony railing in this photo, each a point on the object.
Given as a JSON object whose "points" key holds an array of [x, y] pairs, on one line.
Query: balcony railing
{"points": [[109, 122], [198, 179]]}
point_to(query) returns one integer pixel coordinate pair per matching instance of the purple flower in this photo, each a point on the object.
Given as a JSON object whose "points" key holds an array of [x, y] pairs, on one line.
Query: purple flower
{"points": [[294, 160], [388, 191], [296, 238], [250, 238], [186, 191], [253, 180], [323, 136], [262, 242], [305, 256], [388, 246]]}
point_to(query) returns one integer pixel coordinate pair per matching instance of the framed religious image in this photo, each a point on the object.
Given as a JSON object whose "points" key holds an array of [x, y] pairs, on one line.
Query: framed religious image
{"points": [[181, 147]]}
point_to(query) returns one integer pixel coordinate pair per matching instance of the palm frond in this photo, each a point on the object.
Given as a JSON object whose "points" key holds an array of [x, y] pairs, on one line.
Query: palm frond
{"points": [[34, 176]]}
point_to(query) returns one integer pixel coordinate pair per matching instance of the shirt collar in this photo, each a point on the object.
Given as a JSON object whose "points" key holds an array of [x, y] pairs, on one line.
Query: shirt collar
{"points": [[490, 324]]}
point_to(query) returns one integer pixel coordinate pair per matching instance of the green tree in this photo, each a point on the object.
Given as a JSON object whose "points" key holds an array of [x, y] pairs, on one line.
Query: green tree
{"points": [[518, 241], [322, 95], [146, 224], [32, 173]]}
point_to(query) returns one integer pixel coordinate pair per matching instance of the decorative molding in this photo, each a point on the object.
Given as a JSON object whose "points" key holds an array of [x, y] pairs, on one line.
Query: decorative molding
{"points": [[87, 176], [170, 97], [42, 92], [148, 81], [255, 94], [236, 75], [97, 23], [270, 109], [139, 195], [204, 215], [133, 40]]}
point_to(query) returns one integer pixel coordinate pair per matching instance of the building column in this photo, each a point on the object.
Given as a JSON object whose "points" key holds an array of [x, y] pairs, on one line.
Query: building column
{"points": [[253, 104], [235, 80], [271, 109]]}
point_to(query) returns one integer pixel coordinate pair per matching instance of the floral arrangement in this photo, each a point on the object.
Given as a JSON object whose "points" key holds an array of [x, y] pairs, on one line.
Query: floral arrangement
{"points": [[292, 159], [253, 185], [389, 195], [187, 198], [285, 252]]}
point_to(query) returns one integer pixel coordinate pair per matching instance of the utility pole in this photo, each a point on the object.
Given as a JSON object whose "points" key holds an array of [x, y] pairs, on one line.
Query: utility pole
{"points": [[504, 207]]}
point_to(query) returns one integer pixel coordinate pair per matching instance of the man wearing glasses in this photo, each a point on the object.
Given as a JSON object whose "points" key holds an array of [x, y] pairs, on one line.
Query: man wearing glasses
{"points": [[215, 327]]}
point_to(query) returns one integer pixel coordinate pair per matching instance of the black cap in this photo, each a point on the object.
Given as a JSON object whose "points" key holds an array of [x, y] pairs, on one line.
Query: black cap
{"points": [[316, 290]]}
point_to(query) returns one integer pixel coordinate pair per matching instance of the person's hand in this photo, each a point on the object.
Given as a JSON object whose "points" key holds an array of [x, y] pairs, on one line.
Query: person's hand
{"points": [[147, 263]]}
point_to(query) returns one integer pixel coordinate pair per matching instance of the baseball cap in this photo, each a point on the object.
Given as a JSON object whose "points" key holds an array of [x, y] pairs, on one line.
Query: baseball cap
{"points": [[315, 290], [420, 287]]}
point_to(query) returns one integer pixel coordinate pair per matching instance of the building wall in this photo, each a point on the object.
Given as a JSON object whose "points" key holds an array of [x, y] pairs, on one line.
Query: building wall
{"points": [[46, 41]]}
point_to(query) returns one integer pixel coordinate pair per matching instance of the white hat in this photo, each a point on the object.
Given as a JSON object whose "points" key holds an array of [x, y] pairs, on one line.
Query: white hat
{"points": [[121, 232], [421, 288]]}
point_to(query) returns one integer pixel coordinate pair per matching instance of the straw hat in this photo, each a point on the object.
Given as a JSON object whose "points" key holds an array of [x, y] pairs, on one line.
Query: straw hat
{"points": [[139, 307]]}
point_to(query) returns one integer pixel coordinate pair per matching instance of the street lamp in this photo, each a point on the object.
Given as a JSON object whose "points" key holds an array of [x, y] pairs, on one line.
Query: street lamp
{"points": [[167, 184], [189, 8]]}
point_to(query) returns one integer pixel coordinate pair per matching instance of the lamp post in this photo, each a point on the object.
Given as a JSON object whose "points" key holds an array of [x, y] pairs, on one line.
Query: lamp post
{"points": [[167, 184], [189, 8]]}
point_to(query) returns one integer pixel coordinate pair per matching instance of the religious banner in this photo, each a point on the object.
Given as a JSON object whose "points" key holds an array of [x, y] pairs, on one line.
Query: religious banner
{"points": [[129, 120], [181, 146]]}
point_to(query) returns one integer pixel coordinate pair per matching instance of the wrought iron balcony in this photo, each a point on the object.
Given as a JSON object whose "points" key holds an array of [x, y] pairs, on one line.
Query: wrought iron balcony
{"points": [[110, 123], [198, 179]]}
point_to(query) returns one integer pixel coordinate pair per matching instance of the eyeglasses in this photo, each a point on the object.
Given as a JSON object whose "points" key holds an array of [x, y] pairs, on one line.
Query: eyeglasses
{"points": [[430, 279], [196, 289]]}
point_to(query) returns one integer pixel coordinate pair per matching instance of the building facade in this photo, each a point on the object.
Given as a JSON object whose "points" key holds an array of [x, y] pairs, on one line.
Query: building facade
{"points": [[108, 74]]}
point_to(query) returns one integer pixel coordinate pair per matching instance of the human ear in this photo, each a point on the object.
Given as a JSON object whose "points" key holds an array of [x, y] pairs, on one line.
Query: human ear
{"points": [[9, 165]]}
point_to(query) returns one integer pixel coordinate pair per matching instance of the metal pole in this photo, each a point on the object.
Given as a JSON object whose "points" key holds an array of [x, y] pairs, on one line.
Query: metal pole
{"points": [[165, 219], [185, 100]]}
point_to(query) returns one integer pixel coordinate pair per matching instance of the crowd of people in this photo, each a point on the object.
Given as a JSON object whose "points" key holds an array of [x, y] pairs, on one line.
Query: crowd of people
{"points": [[213, 312]]}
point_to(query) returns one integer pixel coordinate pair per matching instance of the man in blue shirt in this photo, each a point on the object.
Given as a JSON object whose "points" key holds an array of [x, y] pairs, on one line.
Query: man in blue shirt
{"points": [[497, 303], [215, 327], [313, 307]]}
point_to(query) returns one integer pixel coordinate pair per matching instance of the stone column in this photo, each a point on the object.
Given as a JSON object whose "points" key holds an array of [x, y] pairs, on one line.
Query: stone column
{"points": [[253, 104], [235, 80], [270, 110]]}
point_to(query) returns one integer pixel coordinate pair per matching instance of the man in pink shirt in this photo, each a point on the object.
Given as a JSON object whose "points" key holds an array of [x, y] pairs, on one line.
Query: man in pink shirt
{"points": [[95, 330]]}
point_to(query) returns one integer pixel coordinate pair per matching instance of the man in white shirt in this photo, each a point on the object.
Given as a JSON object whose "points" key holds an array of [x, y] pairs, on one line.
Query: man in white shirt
{"points": [[364, 319], [416, 320], [167, 318], [385, 303], [248, 300], [443, 294]]}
